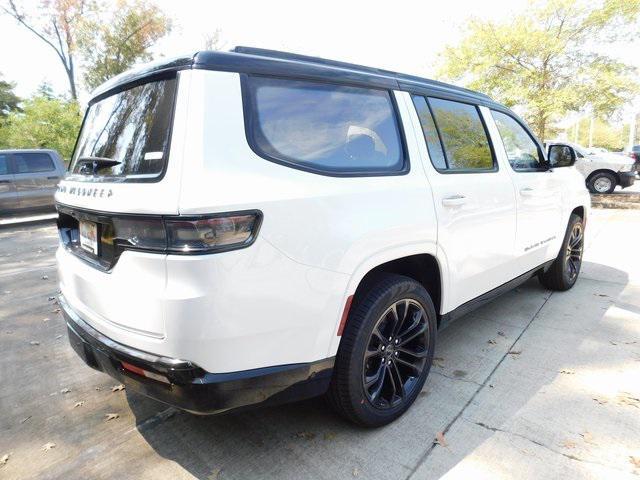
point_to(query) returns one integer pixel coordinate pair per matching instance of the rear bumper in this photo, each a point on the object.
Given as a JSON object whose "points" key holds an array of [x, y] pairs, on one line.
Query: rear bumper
{"points": [[188, 386], [627, 179]]}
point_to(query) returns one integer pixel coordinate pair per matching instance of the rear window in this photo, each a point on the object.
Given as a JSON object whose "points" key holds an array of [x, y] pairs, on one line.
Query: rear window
{"points": [[33, 162], [323, 127], [132, 128], [463, 135]]}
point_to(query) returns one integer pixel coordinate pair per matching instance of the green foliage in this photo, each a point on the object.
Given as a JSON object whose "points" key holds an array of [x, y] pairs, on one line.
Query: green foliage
{"points": [[8, 100], [111, 47], [43, 123], [543, 62]]}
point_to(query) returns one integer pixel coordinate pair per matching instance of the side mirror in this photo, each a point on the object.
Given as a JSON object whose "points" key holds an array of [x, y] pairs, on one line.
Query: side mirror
{"points": [[561, 156]]}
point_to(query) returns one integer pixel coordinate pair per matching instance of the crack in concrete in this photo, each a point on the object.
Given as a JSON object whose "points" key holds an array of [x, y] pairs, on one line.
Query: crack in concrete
{"points": [[546, 447], [426, 454]]}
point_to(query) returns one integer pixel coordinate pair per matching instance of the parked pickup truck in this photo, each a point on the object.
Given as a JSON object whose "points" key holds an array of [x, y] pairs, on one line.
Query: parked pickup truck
{"points": [[602, 171], [28, 179]]}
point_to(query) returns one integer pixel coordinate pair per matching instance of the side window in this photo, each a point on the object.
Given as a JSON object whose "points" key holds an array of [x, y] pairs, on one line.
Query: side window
{"points": [[4, 164], [323, 127], [33, 162], [522, 151], [464, 137], [430, 133]]}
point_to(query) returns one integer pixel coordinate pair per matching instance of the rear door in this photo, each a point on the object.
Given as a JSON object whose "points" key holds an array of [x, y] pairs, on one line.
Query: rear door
{"points": [[538, 193], [8, 197], [36, 178], [473, 198]]}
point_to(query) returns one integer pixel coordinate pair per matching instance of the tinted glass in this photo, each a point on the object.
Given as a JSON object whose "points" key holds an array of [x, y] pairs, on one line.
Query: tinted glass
{"points": [[522, 151], [4, 164], [463, 135], [131, 127], [324, 127], [33, 162], [430, 133]]}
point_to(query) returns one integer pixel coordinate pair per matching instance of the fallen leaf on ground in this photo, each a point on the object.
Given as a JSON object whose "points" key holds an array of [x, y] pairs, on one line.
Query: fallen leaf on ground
{"points": [[491, 342], [45, 277], [440, 440], [306, 435], [601, 401], [514, 352], [602, 295], [587, 437], [566, 371], [630, 343], [117, 388], [569, 444], [112, 416], [34, 342], [65, 390], [501, 334], [98, 389], [55, 310], [626, 399], [51, 298], [632, 459], [48, 446], [438, 362], [79, 404], [612, 342], [25, 419], [355, 472], [4, 459], [45, 319], [58, 337]]}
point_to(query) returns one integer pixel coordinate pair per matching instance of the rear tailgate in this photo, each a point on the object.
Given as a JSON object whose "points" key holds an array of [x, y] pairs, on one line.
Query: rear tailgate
{"points": [[126, 168]]}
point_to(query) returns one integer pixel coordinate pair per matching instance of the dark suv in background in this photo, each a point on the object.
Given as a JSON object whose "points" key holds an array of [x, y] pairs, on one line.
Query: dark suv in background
{"points": [[635, 153], [28, 180]]}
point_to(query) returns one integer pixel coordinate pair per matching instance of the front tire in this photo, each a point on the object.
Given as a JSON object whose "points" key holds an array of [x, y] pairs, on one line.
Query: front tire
{"points": [[602, 182], [385, 353], [564, 270]]}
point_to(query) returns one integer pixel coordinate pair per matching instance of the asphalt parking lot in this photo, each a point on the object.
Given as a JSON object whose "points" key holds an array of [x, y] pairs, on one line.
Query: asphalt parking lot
{"points": [[533, 385]]}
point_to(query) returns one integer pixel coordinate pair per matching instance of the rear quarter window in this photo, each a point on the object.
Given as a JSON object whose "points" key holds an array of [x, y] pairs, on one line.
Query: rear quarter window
{"points": [[4, 164], [321, 127]]}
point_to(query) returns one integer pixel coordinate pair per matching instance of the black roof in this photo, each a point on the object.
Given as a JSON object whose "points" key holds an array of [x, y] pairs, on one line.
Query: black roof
{"points": [[271, 62]]}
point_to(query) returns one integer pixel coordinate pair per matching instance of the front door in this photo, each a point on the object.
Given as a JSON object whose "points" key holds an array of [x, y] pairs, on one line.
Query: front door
{"points": [[473, 198], [8, 197], [538, 194]]}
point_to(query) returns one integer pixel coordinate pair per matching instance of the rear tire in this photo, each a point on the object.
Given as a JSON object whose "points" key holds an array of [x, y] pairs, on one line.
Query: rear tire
{"points": [[564, 270], [602, 182], [385, 353]]}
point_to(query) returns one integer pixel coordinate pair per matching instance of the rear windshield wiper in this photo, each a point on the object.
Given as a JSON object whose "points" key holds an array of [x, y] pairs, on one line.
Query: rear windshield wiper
{"points": [[93, 164]]}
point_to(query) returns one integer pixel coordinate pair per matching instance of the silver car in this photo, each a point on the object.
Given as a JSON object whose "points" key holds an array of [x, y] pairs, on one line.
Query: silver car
{"points": [[28, 179]]}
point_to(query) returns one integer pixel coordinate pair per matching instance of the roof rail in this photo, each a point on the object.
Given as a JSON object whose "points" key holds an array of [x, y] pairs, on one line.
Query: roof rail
{"points": [[264, 52]]}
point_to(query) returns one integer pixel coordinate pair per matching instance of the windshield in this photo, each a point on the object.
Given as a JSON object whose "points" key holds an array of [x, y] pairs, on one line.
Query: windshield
{"points": [[127, 133]]}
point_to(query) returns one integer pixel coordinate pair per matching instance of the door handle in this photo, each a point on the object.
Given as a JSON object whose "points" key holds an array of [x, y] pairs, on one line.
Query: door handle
{"points": [[527, 192], [53, 178], [5, 181], [454, 200]]}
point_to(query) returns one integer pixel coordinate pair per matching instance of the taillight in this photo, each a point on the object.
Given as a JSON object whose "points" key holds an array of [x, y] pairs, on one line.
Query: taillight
{"points": [[185, 235], [201, 235]]}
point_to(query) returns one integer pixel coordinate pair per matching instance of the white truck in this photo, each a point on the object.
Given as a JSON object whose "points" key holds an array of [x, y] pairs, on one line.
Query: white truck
{"points": [[603, 171]]}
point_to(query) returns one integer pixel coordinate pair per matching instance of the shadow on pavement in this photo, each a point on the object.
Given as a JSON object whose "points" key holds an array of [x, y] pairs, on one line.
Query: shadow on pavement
{"points": [[496, 379]]}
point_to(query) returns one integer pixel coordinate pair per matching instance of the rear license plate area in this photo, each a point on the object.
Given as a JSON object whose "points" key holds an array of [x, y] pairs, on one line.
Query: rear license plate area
{"points": [[88, 233]]}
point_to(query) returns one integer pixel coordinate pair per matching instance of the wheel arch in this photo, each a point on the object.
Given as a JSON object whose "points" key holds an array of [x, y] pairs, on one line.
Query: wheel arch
{"points": [[603, 170], [428, 269]]}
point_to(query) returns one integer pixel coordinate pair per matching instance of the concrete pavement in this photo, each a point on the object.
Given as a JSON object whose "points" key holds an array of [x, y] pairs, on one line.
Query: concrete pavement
{"points": [[533, 385]]}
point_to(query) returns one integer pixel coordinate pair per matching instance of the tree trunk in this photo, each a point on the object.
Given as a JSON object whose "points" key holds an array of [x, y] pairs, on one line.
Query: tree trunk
{"points": [[71, 77]]}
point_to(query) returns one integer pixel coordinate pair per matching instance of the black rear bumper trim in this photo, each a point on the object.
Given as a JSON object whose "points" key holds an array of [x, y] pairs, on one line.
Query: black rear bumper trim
{"points": [[190, 387]]}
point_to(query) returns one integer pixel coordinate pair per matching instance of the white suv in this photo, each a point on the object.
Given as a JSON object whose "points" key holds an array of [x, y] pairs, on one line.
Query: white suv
{"points": [[253, 227]]}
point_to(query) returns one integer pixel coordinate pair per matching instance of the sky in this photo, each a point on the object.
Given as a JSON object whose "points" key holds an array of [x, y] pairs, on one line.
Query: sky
{"points": [[400, 35]]}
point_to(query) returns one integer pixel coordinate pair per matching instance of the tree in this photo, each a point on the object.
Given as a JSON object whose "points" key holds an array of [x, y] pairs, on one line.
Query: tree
{"points": [[545, 60], [8, 100], [111, 47], [57, 24], [43, 123]]}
